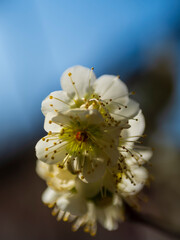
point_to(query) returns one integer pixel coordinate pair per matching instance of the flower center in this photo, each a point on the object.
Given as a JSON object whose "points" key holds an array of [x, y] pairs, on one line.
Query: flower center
{"points": [[81, 136], [103, 201]]}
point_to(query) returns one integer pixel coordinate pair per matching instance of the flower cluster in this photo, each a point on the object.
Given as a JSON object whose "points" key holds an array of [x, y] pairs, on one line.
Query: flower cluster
{"points": [[90, 157]]}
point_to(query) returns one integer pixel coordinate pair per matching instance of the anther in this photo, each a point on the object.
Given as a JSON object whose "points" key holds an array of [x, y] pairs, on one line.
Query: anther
{"points": [[50, 97], [60, 166], [69, 74]]}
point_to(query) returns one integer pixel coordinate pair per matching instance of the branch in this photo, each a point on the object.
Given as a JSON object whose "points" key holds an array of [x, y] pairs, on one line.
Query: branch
{"points": [[157, 224]]}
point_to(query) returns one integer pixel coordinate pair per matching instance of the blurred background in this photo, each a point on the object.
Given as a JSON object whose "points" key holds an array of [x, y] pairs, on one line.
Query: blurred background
{"points": [[39, 39]]}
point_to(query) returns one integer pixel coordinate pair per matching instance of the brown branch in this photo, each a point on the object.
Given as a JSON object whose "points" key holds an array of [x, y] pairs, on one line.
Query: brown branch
{"points": [[134, 216]]}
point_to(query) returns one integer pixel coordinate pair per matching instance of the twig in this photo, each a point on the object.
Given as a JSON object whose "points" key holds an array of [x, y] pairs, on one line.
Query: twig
{"points": [[157, 224]]}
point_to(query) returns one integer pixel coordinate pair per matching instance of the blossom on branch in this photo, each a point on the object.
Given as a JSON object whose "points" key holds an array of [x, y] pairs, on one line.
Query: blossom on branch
{"points": [[90, 158]]}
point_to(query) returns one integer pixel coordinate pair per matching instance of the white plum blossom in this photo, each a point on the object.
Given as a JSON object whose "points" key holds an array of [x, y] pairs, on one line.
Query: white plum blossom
{"points": [[74, 200], [86, 122], [56, 178], [91, 157], [82, 141], [86, 204], [81, 89]]}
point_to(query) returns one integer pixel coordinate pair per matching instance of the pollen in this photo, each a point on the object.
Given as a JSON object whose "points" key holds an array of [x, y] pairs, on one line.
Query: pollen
{"points": [[81, 136], [69, 74]]}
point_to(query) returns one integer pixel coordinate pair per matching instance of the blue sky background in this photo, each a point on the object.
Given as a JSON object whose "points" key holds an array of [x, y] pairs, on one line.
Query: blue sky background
{"points": [[39, 39]]}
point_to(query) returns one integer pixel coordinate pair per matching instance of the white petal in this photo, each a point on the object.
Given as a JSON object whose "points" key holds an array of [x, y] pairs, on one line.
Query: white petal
{"points": [[111, 87], [49, 125], [94, 117], [140, 176], [111, 135], [136, 127], [108, 145], [81, 76], [126, 188], [142, 156], [60, 179], [109, 152], [57, 100], [64, 175], [42, 169], [89, 117], [131, 111], [45, 150], [146, 154], [88, 190], [94, 171], [129, 189], [73, 204], [50, 196], [107, 218], [61, 118]]}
